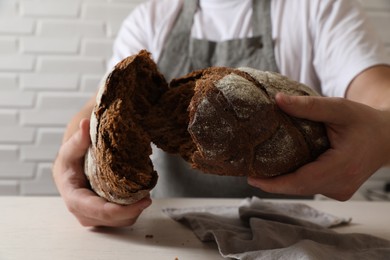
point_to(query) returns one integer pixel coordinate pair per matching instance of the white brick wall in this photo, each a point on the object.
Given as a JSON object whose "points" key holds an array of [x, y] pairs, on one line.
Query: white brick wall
{"points": [[52, 55]]}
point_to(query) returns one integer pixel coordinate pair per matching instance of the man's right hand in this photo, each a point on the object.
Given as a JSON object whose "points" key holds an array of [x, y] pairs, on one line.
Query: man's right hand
{"points": [[87, 206]]}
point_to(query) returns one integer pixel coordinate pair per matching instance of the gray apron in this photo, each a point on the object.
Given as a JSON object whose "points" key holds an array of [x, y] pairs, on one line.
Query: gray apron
{"points": [[183, 54]]}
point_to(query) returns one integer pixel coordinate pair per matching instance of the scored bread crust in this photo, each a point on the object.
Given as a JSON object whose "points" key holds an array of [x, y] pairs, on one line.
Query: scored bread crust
{"points": [[117, 163], [239, 130]]}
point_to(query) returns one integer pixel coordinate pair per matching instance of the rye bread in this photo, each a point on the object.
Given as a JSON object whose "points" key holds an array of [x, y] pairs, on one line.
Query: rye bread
{"points": [[221, 120]]}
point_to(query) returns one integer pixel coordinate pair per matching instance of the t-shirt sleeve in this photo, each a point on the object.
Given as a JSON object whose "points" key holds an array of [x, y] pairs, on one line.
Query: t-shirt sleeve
{"points": [[345, 44], [133, 35], [146, 27]]}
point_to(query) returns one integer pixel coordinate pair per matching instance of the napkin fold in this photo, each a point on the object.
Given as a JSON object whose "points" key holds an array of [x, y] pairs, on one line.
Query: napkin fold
{"points": [[257, 229]]}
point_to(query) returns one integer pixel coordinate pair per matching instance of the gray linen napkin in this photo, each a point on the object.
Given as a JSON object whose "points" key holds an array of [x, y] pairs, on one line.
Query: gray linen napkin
{"points": [[273, 230]]}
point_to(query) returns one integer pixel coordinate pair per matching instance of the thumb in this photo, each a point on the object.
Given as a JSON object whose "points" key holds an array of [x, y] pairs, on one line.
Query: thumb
{"points": [[320, 109], [76, 147]]}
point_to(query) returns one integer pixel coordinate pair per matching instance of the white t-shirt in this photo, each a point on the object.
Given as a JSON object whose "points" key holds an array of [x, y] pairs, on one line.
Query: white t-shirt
{"points": [[321, 43]]}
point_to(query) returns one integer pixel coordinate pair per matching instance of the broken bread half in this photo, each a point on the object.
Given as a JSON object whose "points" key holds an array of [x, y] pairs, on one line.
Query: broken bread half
{"points": [[117, 163]]}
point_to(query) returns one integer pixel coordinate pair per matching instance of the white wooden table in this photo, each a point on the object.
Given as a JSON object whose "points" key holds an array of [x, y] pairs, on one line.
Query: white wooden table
{"points": [[42, 228]]}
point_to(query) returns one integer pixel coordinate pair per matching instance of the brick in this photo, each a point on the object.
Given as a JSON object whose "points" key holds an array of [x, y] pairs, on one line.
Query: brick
{"points": [[8, 9], [107, 12], [113, 28], [58, 45], [9, 153], [16, 62], [90, 83], [49, 118], [50, 136], [8, 82], [61, 100], [17, 170], [9, 188], [71, 28], [38, 152], [16, 99], [43, 81], [8, 45], [98, 48], [8, 117], [43, 184], [50, 8], [16, 134], [61, 64], [16, 26]]}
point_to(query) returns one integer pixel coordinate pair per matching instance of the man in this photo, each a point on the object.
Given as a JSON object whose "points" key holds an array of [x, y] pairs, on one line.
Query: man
{"points": [[325, 44]]}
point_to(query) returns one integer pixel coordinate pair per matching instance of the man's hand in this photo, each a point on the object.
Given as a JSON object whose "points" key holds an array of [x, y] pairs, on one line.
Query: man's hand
{"points": [[360, 145], [89, 209]]}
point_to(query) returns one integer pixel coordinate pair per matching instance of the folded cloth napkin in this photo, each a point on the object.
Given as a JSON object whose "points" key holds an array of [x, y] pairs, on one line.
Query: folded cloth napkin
{"points": [[257, 229]]}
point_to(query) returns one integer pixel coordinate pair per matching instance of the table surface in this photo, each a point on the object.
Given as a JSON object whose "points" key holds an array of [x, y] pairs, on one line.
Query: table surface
{"points": [[42, 228]]}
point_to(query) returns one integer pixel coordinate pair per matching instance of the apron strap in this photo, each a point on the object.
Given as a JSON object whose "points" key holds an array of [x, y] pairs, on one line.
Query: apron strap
{"points": [[184, 21], [261, 12], [181, 30], [173, 57]]}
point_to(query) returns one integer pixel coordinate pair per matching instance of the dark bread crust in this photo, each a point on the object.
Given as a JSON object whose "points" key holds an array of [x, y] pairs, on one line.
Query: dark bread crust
{"points": [[248, 134], [221, 120]]}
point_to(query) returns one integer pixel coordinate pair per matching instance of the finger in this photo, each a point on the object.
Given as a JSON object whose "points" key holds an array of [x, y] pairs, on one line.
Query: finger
{"points": [[123, 212], [280, 185], [88, 222], [320, 109], [310, 179], [87, 206], [76, 147], [124, 215]]}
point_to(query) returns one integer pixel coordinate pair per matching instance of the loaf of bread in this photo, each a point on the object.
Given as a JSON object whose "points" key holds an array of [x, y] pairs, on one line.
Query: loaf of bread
{"points": [[221, 120]]}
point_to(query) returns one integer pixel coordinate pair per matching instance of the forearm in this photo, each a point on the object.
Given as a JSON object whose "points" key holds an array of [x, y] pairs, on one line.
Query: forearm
{"points": [[73, 125], [372, 87]]}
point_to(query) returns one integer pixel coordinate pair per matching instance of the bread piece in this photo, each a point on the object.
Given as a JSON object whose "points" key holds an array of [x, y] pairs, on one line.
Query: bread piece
{"points": [[239, 130], [225, 121], [117, 164]]}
